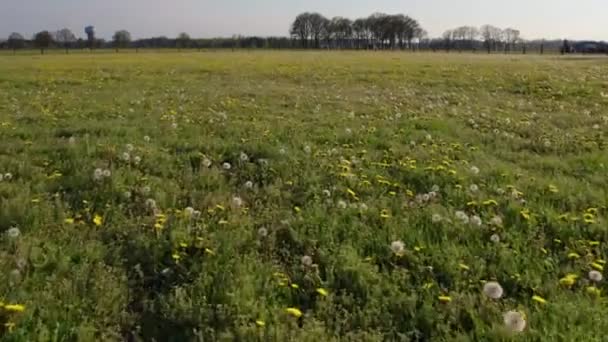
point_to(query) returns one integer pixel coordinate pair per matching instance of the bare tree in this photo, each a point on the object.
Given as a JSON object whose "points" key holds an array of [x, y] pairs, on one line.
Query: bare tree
{"points": [[65, 37], [301, 28], [318, 24], [121, 39], [511, 37], [16, 41], [182, 41], [43, 40]]}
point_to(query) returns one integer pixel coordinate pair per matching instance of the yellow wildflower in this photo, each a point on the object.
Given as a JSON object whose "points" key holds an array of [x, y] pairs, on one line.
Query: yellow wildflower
{"points": [[445, 299], [260, 323], [592, 290], [69, 220], [294, 312], [568, 280], [98, 220], [295, 286], [322, 292], [573, 255], [597, 266], [14, 307], [539, 299]]}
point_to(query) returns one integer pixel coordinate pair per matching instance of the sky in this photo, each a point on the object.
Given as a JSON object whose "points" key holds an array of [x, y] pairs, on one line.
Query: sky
{"points": [[563, 19]]}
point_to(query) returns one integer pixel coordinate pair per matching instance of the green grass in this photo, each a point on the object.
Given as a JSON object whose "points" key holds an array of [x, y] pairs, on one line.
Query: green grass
{"points": [[341, 149]]}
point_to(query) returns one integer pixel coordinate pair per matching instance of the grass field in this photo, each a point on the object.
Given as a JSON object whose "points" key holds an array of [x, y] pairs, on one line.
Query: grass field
{"points": [[302, 196]]}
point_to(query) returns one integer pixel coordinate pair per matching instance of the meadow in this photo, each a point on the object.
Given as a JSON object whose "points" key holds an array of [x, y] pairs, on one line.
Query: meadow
{"points": [[303, 196]]}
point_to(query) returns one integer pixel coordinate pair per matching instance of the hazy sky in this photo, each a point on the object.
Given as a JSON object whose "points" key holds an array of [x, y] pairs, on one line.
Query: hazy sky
{"points": [[205, 18]]}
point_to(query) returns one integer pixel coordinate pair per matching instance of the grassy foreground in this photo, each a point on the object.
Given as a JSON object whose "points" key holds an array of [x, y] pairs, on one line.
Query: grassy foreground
{"points": [[279, 196]]}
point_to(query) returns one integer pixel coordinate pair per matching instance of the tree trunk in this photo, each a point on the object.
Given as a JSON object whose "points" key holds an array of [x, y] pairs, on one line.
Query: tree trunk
{"points": [[41, 51]]}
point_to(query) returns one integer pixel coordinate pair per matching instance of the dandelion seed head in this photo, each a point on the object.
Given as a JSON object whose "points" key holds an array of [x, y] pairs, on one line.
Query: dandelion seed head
{"points": [[436, 218], [595, 276], [188, 212], [206, 163], [306, 261], [126, 194], [342, 204], [125, 156], [129, 147], [307, 149], [476, 221], [237, 201], [8, 176], [107, 173], [514, 321], [151, 203], [243, 157], [462, 216], [13, 232], [495, 238], [326, 193], [475, 170], [397, 247], [496, 221], [137, 160], [493, 290], [363, 207], [146, 138], [98, 174], [262, 232], [72, 140], [226, 166], [474, 188], [249, 184]]}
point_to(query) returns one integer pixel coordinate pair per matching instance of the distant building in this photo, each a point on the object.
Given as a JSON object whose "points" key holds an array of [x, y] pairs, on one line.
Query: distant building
{"points": [[590, 47]]}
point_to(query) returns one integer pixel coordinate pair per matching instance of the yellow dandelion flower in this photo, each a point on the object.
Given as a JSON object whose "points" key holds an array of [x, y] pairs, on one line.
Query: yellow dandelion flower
{"points": [[594, 291], [385, 213], [158, 226], [295, 286], [14, 307], [525, 214], [573, 255], [69, 220], [594, 243], [597, 266], [490, 202], [322, 292], [294, 312], [568, 280], [297, 209], [601, 261], [98, 220], [445, 299], [463, 267], [553, 189], [260, 323], [209, 251], [539, 299], [176, 257]]}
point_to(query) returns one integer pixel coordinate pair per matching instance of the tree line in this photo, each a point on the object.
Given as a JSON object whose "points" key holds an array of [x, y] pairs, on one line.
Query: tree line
{"points": [[378, 31]]}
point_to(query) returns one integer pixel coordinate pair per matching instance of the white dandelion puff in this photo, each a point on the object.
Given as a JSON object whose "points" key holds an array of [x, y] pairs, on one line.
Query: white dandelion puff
{"points": [[125, 156], [107, 173], [493, 290], [326, 193], [342, 204], [514, 321], [13, 232], [595, 276], [72, 141], [495, 238], [129, 147], [237, 201], [436, 218], [307, 149], [8, 176], [188, 212], [98, 174], [262, 232], [474, 188], [249, 185], [126, 194], [476, 221], [244, 157], [462, 216], [496, 221], [206, 163], [306, 261], [226, 166], [146, 138], [137, 160], [151, 203], [475, 170], [397, 247], [363, 207]]}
